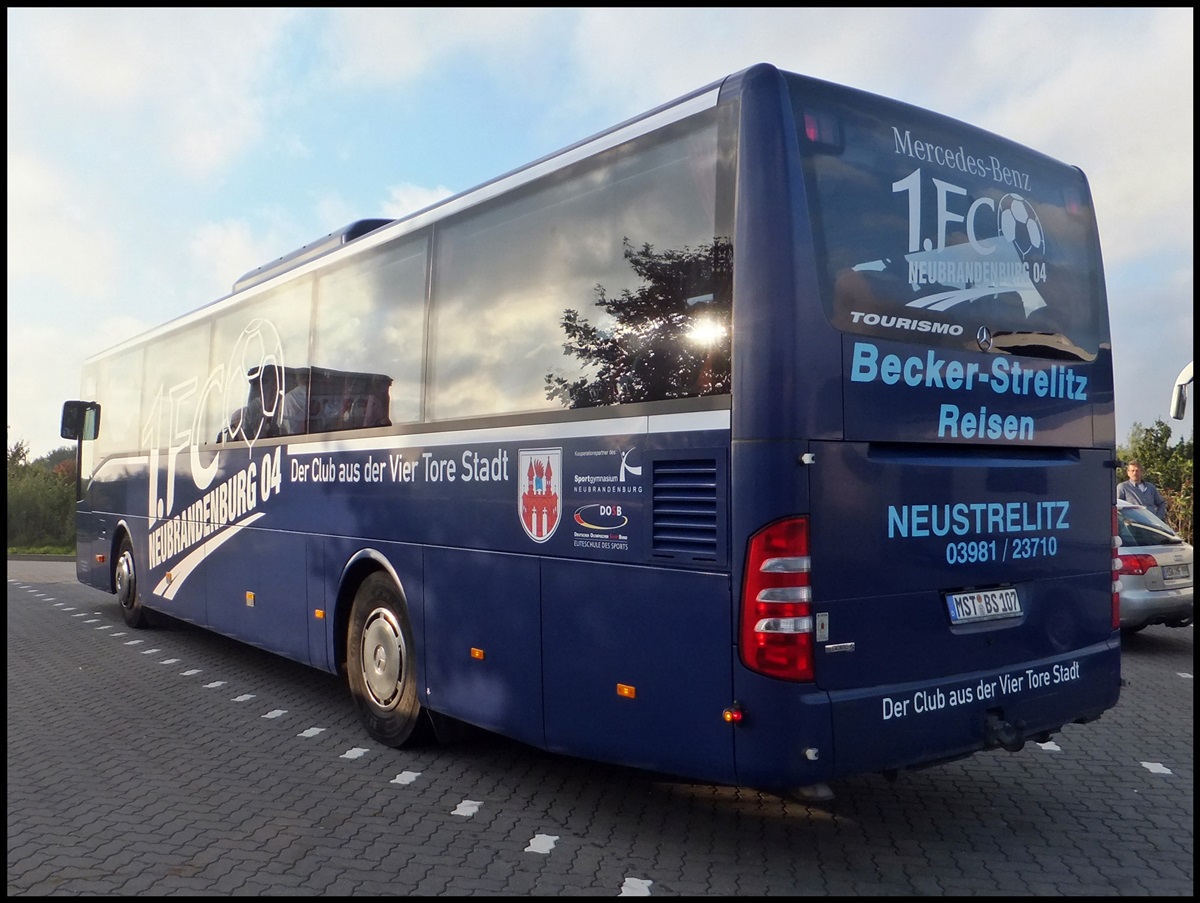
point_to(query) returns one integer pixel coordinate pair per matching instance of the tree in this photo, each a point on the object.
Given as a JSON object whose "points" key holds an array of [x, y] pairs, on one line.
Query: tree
{"points": [[669, 338], [1169, 467], [41, 498], [18, 454]]}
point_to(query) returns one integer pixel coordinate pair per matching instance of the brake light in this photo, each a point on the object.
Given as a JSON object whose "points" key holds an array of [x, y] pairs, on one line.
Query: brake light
{"points": [[1135, 565], [1116, 567], [822, 129], [776, 636]]}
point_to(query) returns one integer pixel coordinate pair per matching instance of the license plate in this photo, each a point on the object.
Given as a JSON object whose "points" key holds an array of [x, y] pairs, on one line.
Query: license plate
{"points": [[1173, 571], [983, 605]]}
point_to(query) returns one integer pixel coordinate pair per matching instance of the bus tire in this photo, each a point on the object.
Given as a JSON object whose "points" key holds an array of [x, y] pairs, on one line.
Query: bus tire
{"points": [[125, 582], [381, 663]]}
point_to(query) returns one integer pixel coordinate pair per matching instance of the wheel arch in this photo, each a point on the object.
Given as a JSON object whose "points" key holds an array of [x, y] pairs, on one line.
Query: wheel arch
{"points": [[357, 568]]}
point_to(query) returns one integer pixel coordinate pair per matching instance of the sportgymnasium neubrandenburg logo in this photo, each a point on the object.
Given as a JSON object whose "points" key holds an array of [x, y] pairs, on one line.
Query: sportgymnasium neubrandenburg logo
{"points": [[539, 491]]}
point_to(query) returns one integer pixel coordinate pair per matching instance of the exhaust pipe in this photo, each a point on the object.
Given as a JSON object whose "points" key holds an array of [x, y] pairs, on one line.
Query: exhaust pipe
{"points": [[1005, 734]]}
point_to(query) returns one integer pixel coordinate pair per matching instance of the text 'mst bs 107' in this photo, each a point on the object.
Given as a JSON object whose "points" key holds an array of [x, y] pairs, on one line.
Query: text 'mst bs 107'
{"points": [[765, 439]]}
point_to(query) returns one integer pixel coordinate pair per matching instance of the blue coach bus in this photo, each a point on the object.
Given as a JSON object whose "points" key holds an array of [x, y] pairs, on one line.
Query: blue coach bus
{"points": [[764, 439]]}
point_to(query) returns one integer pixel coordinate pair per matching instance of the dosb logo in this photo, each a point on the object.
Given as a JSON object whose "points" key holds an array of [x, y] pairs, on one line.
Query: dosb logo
{"points": [[539, 491]]}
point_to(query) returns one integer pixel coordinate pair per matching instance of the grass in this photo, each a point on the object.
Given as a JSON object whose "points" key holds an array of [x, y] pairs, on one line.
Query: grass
{"points": [[41, 550]]}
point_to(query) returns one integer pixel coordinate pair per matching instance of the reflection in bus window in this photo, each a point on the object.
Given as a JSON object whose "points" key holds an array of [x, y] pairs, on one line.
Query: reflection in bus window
{"points": [[320, 401], [370, 318], [506, 273], [668, 339], [269, 331]]}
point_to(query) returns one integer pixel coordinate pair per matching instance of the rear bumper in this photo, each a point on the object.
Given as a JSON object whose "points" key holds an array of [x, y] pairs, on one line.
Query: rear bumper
{"points": [[794, 737], [911, 725], [1142, 608]]}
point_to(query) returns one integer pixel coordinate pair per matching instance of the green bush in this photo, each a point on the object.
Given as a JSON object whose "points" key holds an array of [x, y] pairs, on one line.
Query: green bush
{"points": [[41, 502]]}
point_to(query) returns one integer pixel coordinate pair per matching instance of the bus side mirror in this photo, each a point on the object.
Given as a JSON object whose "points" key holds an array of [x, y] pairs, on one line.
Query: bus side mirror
{"points": [[1180, 392], [80, 420], [1179, 402]]}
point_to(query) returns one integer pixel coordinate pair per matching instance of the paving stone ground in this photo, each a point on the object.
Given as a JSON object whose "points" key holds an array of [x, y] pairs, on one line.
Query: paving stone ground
{"points": [[209, 767]]}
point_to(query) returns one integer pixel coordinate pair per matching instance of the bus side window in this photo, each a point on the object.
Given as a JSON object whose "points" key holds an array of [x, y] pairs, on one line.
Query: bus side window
{"points": [[230, 432], [362, 411], [254, 423], [294, 416], [376, 412], [352, 412]]}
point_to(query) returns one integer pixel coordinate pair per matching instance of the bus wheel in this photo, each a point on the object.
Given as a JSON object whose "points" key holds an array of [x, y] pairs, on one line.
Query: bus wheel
{"points": [[381, 663], [127, 589]]}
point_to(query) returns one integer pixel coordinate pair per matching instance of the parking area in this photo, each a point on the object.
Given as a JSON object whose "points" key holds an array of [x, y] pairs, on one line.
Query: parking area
{"points": [[172, 761]]}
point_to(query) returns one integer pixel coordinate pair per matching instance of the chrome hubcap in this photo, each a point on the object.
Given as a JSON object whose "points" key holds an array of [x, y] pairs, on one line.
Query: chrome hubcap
{"points": [[382, 657], [126, 586]]}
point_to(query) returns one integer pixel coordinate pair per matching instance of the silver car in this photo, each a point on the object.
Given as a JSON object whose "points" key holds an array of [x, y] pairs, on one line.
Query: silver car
{"points": [[1155, 570]]}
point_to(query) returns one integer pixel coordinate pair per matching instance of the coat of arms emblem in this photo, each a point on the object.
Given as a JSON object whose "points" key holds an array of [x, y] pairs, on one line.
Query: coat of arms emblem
{"points": [[539, 491]]}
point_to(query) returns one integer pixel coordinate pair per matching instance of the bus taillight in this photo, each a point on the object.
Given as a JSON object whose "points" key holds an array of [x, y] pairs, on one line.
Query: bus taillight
{"points": [[777, 622]]}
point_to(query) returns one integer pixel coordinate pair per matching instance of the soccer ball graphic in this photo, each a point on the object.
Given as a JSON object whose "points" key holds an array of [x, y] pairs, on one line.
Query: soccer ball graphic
{"points": [[254, 384], [1019, 223]]}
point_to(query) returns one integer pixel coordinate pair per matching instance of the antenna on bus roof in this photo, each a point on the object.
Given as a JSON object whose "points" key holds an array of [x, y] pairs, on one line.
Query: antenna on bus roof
{"points": [[310, 251]]}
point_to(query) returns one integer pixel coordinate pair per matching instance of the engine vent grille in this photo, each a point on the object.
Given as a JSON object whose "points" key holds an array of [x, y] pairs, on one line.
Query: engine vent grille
{"points": [[685, 509]]}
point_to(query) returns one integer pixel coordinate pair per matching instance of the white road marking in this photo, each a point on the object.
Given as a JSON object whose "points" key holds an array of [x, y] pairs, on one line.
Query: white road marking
{"points": [[542, 843], [467, 808], [635, 887]]}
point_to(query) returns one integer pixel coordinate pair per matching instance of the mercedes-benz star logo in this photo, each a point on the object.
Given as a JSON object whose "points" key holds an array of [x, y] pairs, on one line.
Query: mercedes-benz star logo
{"points": [[984, 338]]}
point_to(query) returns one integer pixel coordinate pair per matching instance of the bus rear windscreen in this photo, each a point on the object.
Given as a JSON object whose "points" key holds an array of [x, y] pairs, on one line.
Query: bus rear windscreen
{"points": [[929, 230]]}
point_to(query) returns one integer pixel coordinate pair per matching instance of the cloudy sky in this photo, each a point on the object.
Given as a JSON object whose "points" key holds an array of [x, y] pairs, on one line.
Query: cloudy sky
{"points": [[154, 156]]}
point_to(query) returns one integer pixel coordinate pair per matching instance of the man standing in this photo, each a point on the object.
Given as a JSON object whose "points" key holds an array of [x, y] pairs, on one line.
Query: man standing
{"points": [[1141, 492]]}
